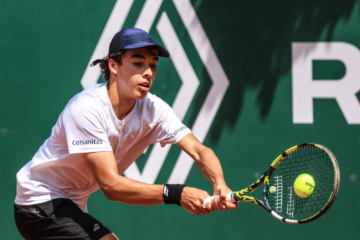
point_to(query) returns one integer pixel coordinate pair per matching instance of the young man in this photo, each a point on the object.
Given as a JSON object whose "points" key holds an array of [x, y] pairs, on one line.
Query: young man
{"points": [[99, 134]]}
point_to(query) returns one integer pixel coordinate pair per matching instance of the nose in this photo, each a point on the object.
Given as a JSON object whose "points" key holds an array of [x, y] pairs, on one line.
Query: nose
{"points": [[148, 73]]}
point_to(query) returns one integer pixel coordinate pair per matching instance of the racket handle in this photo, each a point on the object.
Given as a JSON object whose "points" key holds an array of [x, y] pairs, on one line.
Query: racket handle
{"points": [[229, 198]]}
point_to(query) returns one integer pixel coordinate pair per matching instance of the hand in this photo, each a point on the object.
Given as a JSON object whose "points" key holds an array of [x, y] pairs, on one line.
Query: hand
{"points": [[219, 202], [192, 199]]}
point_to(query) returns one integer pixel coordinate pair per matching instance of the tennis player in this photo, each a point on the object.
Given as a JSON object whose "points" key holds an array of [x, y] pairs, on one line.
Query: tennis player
{"points": [[99, 134]]}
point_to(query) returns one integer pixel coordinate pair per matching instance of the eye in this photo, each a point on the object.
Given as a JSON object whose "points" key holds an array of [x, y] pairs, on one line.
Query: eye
{"points": [[138, 64], [153, 66]]}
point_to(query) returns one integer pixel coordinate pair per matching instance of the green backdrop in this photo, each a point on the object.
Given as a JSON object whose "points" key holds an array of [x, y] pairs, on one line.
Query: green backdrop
{"points": [[46, 45]]}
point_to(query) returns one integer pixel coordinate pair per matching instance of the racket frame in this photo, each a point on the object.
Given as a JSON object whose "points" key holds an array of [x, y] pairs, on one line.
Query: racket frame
{"points": [[241, 195]]}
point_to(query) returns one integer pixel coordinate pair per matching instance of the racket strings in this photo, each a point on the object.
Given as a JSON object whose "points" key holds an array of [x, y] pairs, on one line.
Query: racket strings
{"points": [[313, 161]]}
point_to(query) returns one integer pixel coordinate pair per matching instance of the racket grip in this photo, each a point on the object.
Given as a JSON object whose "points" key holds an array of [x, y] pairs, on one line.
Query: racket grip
{"points": [[229, 198]]}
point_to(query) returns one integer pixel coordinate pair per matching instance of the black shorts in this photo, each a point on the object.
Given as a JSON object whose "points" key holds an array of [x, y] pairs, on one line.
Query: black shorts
{"points": [[57, 219]]}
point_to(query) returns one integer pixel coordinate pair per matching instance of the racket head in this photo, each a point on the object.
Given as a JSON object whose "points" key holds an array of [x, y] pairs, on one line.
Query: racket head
{"points": [[313, 159]]}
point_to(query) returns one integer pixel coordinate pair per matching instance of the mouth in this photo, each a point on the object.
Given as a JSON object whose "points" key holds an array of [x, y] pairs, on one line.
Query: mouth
{"points": [[145, 86]]}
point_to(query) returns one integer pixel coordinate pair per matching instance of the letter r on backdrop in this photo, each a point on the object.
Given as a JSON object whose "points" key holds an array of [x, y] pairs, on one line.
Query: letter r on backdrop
{"points": [[305, 89]]}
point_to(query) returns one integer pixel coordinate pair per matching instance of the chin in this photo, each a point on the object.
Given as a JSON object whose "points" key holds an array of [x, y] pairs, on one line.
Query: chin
{"points": [[141, 96]]}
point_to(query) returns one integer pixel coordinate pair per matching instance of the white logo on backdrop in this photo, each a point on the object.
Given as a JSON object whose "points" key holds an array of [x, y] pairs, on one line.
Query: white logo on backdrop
{"points": [[305, 89], [190, 81]]}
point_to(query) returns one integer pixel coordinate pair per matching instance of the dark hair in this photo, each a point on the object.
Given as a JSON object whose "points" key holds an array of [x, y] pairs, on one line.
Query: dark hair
{"points": [[117, 57], [104, 64]]}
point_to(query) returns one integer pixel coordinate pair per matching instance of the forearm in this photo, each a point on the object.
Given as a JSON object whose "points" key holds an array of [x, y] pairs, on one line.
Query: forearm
{"points": [[210, 166], [119, 188], [133, 192]]}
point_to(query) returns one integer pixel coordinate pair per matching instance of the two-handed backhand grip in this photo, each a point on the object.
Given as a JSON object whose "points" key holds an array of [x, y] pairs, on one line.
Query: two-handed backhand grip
{"points": [[229, 198]]}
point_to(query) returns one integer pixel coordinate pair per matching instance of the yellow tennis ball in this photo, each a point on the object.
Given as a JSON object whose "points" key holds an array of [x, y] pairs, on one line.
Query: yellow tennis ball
{"points": [[272, 189], [304, 185]]}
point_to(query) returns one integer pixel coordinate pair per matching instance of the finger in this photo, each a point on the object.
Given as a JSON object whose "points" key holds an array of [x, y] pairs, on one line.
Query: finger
{"points": [[215, 202], [223, 197], [231, 205], [201, 211], [210, 207], [222, 204], [207, 200], [198, 209], [204, 210], [218, 204]]}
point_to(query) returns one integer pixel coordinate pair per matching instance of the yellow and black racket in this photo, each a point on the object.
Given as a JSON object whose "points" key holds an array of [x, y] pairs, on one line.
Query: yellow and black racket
{"points": [[316, 173]]}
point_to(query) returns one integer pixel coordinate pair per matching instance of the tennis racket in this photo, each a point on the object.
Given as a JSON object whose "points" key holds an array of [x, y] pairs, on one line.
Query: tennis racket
{"points": [[284, 204]]}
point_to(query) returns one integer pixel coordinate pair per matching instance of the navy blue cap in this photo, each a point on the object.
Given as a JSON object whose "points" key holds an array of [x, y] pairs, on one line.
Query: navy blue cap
{"points": [[132, 38]]}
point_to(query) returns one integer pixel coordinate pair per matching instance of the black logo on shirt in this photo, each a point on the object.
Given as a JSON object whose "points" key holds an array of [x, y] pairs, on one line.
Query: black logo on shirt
{"points": [[86, 142], [173, 135]]}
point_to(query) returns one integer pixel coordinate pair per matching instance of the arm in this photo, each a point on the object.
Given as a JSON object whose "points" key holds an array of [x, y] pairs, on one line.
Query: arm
{"points": [[210, 166], [119, 188], [129, 191]]}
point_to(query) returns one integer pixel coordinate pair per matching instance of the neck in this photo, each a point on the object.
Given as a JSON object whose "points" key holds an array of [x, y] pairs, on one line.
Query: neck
{"points": [[121, 105]]}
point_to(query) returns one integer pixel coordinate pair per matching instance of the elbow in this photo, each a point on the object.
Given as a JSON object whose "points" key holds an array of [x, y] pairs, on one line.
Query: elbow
{"points": [[108, 190], [203, 153], [109, 194]]}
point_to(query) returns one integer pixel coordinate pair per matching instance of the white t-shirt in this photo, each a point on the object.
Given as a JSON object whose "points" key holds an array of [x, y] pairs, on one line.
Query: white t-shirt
{"points": [[89, 124]]}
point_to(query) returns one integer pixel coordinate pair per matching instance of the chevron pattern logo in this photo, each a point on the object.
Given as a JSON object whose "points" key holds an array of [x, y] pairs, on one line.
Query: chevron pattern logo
{"points": [[190, 81]]}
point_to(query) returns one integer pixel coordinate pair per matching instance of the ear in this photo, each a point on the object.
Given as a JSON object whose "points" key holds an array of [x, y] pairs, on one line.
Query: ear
{"points": [[113, 66]]}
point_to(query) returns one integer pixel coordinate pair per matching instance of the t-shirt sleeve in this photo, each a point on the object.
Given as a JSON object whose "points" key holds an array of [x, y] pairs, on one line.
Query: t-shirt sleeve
{"points": [[169, 128], [84, 127]]}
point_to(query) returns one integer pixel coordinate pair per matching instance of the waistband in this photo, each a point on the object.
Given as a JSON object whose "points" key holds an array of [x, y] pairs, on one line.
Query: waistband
{"points": [[46, 208]]}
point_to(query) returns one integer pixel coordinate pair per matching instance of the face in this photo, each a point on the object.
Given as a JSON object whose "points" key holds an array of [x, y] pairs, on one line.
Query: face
{"points": [[135, 76]]}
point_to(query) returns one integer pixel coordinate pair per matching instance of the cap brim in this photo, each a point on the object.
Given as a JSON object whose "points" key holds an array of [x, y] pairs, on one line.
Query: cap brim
{"points": [[162, 51]]}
